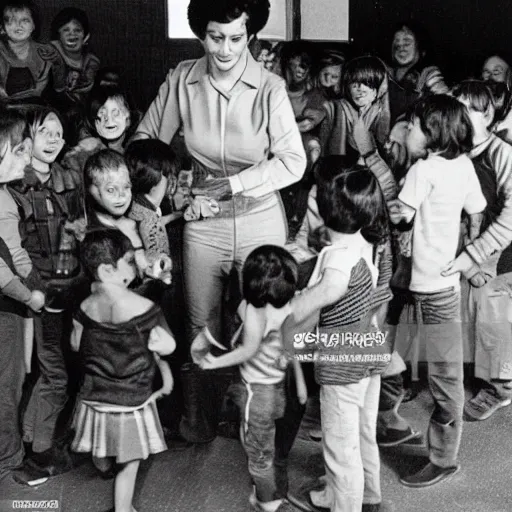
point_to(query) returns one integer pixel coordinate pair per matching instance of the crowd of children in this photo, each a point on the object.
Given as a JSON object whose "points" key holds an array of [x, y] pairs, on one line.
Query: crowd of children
{"points": [[406, 204]]}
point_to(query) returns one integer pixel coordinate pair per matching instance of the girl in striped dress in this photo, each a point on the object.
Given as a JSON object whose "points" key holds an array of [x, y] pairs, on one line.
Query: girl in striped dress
{"points": [[343, 288], [120, 336]]}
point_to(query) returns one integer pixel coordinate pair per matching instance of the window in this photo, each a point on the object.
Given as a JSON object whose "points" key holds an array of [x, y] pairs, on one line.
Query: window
{"points": [[177, 21]]}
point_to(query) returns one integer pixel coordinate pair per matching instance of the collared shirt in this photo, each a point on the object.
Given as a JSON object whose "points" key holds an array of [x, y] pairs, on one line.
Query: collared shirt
{"points": [[248, 133]]}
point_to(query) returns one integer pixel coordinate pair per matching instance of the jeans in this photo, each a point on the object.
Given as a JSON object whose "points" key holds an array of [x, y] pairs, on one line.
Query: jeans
{"points": [[262, 405], [211, 248], [351, 454], [12, 374], [49, 396]]}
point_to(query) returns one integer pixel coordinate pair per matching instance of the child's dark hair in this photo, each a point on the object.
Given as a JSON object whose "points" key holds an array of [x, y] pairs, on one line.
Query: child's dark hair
{"points": [[148, 160], [351, 200], [296, 49], [366, 70], [13, 128], [103, 247], [20, 5], [65, 16], [502, 98], [269, 276], [101, 163], [36, 117], [446, 125], [477, 93]]}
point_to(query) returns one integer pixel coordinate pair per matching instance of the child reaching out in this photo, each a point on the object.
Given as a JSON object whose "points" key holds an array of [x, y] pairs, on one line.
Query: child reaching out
{"points": [[269, 283], [120, 336], [342, 289], [435, 192]]}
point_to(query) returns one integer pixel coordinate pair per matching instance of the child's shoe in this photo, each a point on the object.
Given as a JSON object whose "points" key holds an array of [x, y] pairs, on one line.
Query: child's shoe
{"points": [[431, 474], [270, 506], [485, 404]]}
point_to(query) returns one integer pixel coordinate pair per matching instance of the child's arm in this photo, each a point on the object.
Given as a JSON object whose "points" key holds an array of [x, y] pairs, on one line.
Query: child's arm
{"points": [[167, 380], [161, 340], [76, 335], [166, 219], [252, 335], [302, 390], [400, 212]]}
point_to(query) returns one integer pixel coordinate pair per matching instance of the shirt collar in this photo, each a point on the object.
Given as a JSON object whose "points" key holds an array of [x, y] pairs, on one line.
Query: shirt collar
{"points": [[251, 75]]}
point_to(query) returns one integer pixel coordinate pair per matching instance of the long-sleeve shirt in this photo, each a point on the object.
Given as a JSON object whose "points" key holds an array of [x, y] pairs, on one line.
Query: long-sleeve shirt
{"points": [[248, 134], [495, 155]]}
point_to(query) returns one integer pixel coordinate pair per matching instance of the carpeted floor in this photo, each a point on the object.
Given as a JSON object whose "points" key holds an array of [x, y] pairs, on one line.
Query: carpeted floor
{"points": [[213, 478]]}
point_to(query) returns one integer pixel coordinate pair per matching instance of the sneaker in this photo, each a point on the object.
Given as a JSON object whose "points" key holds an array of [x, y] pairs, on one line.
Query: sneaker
{"points": [[431, 474], [485, 404], [393, 437], [281, 505]]}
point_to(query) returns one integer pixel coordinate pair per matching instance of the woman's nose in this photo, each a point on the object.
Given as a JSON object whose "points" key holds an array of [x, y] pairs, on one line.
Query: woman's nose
{"points": [[225, 48]]}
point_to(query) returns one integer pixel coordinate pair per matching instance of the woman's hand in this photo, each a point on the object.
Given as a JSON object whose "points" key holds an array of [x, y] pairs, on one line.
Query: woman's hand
{"points": [[218, 189]]}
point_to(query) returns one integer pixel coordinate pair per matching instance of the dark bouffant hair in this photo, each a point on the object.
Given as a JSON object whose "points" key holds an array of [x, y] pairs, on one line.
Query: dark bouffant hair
{"points": [[65, 16], [148, 160], [269, 276], [446, 125], [201, 12], [351, 200], [20, 5], [103, 247]]}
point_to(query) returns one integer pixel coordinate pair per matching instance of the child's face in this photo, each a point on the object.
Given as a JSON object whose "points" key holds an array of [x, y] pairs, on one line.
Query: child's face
{"points": [[263, 56], [14, 160], [113, 191], [416, 140], [362, 95], [125, 272], [298, 71], [480, 121], [495, 68], [330, 76], [48, 140], [112, 119], [405, 48], [18, 25], [72, 37]]}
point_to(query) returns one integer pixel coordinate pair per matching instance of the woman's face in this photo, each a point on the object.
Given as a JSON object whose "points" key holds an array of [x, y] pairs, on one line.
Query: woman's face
{"points": [[495, 68], [226, 43], [48, 140], [18, 25], [330, 77], [112, 119], [361, 94], [72, 37], [405, 50]]}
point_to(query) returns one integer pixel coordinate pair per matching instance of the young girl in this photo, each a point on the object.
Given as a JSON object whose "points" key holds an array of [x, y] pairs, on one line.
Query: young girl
{"points": [[120, 336], [269, 283], [365, 100], [330, 73], [435, 192], [25, 65], [341, 289]]}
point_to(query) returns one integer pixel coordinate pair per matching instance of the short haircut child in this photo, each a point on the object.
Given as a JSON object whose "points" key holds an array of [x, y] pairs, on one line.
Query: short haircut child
{"points": [[103, 247], [148, 160], [65, 16], [20, 5], [352, 200], [446, 124], [12, 129], [366, 70], [477, 93], [101, 163], [36, 117], [270, 276]]}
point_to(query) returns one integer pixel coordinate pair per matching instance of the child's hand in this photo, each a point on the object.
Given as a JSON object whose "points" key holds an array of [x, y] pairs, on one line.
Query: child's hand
{"points": [[161, 269], [306, 125], [209, 362], [37, 300]]}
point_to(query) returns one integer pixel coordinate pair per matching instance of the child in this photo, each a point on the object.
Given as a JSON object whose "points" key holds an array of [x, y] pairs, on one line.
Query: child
{"points": [[488, 308], [70, 35], [435, 192], [269, 283], [365, 98], [153, 173], [120, 336], [341, 290], [25, 65], [109, 196], [16, 283], [330, 74], [51, 203]]}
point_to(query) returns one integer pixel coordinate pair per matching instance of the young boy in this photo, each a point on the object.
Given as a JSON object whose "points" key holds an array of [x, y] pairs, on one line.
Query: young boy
{"points": [[15, 291], [50, 202], [489, 295]]}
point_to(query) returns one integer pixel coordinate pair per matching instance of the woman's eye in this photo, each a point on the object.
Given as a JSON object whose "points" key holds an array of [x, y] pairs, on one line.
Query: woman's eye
{"points": [[110, 190], [236, 39]]}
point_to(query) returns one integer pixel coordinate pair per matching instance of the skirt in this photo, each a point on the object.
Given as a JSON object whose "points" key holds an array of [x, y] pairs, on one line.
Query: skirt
{"points": [[126, 433]]}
